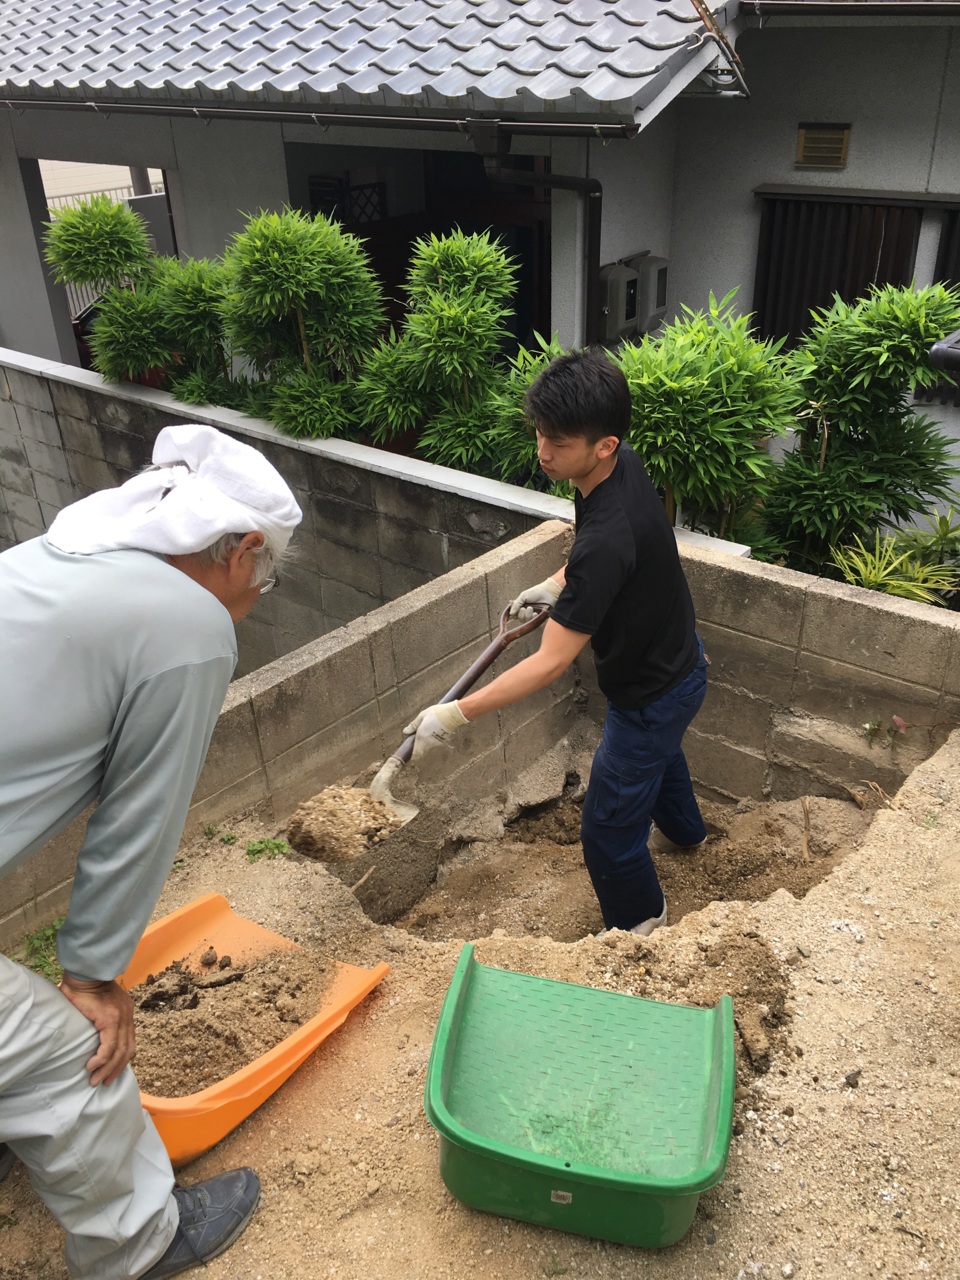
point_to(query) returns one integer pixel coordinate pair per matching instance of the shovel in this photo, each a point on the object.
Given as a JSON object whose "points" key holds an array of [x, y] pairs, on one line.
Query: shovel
{"points": [[380, 786]]}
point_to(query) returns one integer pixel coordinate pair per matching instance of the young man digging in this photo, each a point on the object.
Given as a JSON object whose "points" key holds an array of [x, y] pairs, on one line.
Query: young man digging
{"points": [[116, 650], [623, 590]]}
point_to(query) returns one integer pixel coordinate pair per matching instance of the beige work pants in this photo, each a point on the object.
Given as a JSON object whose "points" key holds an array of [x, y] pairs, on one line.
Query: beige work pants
{"points": [[93, 1154]]}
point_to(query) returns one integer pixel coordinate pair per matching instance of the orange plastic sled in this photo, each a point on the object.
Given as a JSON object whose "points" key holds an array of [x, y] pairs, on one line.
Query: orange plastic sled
{"points": [[191, 1125]]}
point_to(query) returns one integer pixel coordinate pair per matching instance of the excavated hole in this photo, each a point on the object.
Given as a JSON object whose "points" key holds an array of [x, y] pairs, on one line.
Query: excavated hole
{"points": [[530, 882]]}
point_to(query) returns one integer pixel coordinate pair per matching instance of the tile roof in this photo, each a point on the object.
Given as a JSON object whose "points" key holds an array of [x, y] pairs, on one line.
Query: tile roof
{"points": [[530, 56]]}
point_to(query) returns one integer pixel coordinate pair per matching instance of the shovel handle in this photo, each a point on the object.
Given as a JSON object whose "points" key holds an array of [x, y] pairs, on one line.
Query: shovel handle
{"points": [[505, 635]]}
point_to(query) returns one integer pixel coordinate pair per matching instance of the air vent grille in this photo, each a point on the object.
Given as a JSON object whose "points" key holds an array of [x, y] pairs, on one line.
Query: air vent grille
{"points": [[822, 146]]}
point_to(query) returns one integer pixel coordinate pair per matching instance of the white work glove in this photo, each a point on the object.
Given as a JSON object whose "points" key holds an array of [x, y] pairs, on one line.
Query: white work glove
{"points": [[545, 593], [435, 727]]}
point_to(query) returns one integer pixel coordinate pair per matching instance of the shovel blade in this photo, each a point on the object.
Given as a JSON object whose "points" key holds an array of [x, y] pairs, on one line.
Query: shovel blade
{"points": [[380, 790]]}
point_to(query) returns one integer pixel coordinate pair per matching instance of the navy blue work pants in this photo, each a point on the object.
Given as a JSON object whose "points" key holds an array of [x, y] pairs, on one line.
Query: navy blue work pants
{"points": [[639, 773]]}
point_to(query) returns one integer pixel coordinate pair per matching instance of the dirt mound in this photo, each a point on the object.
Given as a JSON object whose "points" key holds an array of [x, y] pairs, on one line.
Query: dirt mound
{"points": [[340, 824]]}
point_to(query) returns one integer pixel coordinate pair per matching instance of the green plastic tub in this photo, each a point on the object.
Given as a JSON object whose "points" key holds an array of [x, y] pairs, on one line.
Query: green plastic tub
{"points": [[585, 1110]]}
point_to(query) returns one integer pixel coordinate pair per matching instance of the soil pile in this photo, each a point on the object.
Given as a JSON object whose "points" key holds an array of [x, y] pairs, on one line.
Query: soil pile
{"points": [[196, 1027], [340, 824]]}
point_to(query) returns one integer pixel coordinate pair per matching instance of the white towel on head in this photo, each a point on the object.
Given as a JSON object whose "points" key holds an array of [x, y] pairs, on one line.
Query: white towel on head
{"points": [[206, 485]]}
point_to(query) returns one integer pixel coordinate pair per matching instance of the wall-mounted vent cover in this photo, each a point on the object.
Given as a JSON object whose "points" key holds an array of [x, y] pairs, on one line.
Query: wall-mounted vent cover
{"points": [[822, 146]]}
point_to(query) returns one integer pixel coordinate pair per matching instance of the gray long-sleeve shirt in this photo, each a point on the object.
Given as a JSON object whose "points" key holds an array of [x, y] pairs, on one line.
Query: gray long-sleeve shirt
{"points": [[113, 670]]}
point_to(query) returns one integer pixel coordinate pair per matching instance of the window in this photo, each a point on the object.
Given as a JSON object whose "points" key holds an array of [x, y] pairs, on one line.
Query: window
{"points": [[812, 246]]}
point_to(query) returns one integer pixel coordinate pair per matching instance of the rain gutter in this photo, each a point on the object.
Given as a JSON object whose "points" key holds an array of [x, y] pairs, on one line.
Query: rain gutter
{"points": [[329, 119]]}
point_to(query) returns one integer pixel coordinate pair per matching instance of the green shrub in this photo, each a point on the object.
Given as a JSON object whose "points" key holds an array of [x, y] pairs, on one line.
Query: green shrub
{"points": [[511, 441], [390, 394], [97, 242], [436, 374], [131, 335], [459, 436], [706, 396], [301, 294], [458, 263], [191, 293], [862, 457], [311, 406]]}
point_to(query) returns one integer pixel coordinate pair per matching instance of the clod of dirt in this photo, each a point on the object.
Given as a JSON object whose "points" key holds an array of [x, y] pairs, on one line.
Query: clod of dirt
{"points": [[196, 1028], [340, 824]]}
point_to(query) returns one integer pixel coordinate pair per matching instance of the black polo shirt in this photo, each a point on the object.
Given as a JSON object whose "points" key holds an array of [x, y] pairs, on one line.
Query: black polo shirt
{"points": [[626, 590]]}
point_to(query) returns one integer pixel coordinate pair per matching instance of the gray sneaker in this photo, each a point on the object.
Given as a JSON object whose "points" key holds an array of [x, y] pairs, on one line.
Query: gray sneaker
{"points": [[212, 1215], [7, 1160]]}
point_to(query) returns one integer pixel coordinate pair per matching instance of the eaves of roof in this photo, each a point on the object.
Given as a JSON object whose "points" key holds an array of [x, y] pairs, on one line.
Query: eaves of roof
{"points": [[552, 59], [853, 8]]}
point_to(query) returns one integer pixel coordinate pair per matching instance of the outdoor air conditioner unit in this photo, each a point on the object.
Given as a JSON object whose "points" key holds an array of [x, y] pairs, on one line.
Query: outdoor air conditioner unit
{"points": [[652, 304], [619, 284], [651, 290]]}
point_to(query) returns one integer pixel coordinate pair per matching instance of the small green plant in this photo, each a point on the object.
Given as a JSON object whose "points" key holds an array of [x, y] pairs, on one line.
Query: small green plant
{"points": [[896, 727], [898, 573], [211, 830], [40, 951], [930, 820], [266, 848], [97, 242], [939, 543], [229, 838]]}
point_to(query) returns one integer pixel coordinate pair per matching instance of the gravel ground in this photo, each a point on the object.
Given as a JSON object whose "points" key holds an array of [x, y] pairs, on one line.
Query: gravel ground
{"points": [[847, 1144]]}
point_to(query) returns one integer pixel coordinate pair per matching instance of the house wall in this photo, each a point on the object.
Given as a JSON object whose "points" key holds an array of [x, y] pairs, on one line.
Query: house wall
{"points": [[637, 179], [896, 85]]}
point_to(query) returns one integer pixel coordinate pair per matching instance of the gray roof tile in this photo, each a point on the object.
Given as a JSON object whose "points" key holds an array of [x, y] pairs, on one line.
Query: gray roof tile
{"points": [[572, 56]]}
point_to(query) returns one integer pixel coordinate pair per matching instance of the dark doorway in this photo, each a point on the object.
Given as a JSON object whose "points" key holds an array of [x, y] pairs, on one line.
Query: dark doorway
{"points": [[456, 193]]}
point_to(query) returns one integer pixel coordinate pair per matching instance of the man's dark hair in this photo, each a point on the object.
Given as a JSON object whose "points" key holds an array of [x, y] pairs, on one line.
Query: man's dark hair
{"points": [[580, 394]]}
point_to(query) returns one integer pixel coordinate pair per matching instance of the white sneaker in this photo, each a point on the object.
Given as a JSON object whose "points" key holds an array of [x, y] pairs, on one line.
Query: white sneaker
{"points": [[644, 928]]}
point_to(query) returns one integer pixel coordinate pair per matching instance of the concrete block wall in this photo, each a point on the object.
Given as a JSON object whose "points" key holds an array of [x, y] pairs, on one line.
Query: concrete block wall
{"points": [[375, 525], [806, 676]]}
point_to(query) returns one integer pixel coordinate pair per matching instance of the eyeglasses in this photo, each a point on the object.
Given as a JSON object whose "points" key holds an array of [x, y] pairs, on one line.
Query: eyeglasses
{"points": [[267, 587]]}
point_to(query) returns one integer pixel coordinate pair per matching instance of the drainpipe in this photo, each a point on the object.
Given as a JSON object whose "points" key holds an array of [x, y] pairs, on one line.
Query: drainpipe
{"points": [[592, 192]]}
